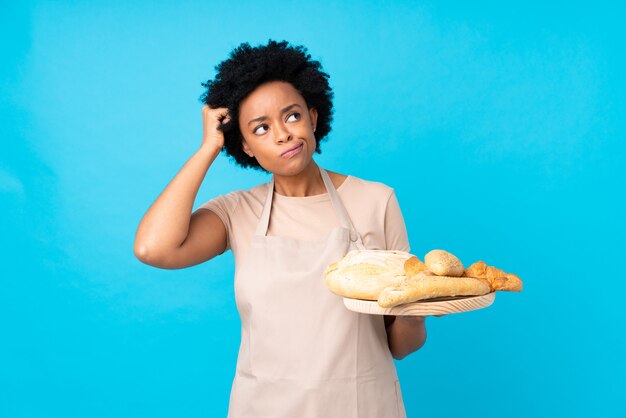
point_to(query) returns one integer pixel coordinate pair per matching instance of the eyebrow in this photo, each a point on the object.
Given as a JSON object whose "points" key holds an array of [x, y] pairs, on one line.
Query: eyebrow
{"points": [[260, 118]]}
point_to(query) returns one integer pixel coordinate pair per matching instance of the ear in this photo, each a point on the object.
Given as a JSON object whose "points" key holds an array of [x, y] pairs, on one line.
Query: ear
{"points": [[313, 117], [246, 148]]}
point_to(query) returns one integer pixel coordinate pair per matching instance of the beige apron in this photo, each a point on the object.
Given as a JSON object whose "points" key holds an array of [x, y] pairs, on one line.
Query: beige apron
{"points": [[302, 353]]}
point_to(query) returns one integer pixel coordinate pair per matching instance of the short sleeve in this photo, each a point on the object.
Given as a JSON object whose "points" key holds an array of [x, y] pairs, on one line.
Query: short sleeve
{"points": [[396, 237], [224, 206]]}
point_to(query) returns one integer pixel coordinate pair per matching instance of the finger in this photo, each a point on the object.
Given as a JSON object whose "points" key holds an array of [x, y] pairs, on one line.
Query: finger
{"points": [[223, 115]]}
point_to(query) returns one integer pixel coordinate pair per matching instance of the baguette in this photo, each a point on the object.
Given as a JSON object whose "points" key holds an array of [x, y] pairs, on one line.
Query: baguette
{"points": [[424, 286]]}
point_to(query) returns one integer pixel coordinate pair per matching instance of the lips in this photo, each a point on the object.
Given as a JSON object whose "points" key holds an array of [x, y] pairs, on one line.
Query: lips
{"points": [[290, 151]]}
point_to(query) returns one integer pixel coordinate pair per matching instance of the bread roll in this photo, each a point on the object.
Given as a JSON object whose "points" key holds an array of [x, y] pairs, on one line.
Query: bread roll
{"points": [[422, 287], [363, 274], [413, 266], [442, 263]]}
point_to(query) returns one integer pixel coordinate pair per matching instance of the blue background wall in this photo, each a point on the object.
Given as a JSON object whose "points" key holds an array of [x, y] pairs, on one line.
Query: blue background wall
{"points": [[500, 126]]}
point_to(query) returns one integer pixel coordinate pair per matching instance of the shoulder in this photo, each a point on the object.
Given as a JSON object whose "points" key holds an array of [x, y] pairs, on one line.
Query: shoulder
{"points": [[368, 188], [233, 200], [366, 196]]}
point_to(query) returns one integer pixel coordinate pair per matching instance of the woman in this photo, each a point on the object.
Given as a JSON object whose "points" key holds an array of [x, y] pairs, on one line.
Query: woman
{"points": [[302, 353]]}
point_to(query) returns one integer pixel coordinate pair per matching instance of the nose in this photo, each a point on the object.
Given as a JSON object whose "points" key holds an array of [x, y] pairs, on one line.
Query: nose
{"points": [[281, 132]]}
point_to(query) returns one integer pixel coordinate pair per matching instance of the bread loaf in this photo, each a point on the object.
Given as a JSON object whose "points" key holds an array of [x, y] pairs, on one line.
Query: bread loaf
{"points": [[363, 274]]}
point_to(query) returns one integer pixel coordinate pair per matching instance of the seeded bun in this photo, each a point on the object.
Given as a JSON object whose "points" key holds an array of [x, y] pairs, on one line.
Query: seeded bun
{"points": [[442, 263]]}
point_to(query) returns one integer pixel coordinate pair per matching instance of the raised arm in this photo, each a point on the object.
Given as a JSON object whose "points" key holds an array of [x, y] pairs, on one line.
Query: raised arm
{"points": [[169, 235]]}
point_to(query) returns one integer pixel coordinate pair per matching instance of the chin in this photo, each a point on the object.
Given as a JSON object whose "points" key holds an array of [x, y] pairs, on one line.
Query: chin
{"points": [[292, 168]]}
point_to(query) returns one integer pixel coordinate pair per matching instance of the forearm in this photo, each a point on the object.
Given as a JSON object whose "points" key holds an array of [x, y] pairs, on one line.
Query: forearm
{"points": [[406, 335], [166, 223]]}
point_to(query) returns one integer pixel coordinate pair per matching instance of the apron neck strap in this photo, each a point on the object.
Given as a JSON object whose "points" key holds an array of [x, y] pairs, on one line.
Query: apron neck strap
{"points": [[340, 210]]}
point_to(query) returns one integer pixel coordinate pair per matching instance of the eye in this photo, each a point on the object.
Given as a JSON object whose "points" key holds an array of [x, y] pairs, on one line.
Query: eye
{"points": [[295, 114], [257, 129]]}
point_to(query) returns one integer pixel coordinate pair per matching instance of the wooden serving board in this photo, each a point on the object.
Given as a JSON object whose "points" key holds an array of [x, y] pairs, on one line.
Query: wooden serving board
{"points": [[438, 306]]}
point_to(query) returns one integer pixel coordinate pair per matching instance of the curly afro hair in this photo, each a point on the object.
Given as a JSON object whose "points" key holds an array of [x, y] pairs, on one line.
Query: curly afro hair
{"points": [[247, 68]]}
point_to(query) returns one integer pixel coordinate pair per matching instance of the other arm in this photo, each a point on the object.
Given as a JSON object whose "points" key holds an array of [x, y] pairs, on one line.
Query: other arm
{"points": [[405, 334]]}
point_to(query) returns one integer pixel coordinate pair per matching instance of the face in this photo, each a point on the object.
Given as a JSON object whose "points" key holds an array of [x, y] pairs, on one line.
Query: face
{"points": [[274, 118]]}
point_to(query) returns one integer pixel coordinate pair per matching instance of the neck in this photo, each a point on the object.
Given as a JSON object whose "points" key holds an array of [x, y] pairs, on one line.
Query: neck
{"points": [[309, 182]]}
